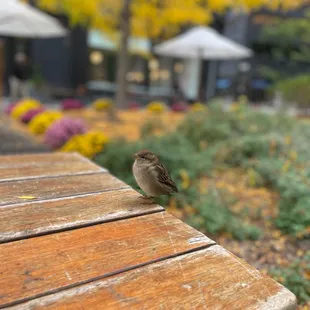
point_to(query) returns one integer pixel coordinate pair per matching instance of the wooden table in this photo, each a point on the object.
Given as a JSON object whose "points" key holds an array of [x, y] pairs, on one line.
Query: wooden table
{"points": [[75, 237]]}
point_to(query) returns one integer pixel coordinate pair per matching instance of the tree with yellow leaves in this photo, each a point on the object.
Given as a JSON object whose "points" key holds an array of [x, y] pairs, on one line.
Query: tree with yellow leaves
{"points": [[149, 18]]}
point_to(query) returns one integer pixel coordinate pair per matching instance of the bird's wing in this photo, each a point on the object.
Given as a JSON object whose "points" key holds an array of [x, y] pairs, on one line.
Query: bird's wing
{"points": [[164, 178]]}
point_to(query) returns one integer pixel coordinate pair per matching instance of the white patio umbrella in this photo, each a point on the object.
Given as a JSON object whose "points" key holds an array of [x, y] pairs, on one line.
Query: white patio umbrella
{"points": [[202, 42], [19, 19]]}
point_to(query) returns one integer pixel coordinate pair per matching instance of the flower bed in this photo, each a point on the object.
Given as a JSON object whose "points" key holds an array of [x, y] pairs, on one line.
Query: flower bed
{"points": [[88, 144], [22, 107], [56, 130]]}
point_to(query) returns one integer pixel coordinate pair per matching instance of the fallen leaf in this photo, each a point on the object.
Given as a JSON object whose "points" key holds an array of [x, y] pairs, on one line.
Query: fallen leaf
{"points": [[26, 197]]}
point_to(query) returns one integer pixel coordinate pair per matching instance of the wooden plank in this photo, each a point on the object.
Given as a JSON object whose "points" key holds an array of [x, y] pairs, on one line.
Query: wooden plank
{"points": [[28, 160], [64, 186], [42, 217], [32, 267], [52, 170], [206, 279], [49, 165]]}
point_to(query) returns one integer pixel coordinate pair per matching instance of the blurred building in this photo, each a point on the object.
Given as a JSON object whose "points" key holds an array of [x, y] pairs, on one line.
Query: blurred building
{"points": [[60, 63], [247, 30], [89, 58]]}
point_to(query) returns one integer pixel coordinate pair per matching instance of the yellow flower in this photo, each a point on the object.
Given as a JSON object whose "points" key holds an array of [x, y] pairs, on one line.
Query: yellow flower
{"points": [[239, 105], [40, 123], [102, 104], [235, 107], [243, 99], [88, 144], [23, 107], [189, 210], [199, 107], [185, 179], [286, 166], [97, 140], [78, 144], [293, 155], [252, 177], [272, 147], [288, 140], [156, 107]]}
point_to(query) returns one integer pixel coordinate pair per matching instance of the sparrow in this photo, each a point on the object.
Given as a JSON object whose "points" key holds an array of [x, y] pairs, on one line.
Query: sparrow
{"points": [[151, 176]]}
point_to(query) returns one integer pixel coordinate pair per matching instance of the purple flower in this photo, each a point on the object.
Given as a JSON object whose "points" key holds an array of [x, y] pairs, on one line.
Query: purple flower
{"points": [[9, 108], [62, 130], [29, 115], [179, 107], [71, 104]]}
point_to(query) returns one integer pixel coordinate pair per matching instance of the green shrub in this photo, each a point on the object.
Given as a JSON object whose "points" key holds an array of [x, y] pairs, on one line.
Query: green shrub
{"points": [[175, 151], [214, 216], [238, 152], [268, 169], [296, 90]]}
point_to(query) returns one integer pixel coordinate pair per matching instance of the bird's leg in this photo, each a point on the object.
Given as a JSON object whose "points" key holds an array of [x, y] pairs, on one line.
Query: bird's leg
{"points": [[146, 197]]}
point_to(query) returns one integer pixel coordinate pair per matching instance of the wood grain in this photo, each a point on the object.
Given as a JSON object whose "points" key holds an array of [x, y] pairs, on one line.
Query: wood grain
{"points": [[44, 264], [42, 217], [64, 186], [35, 166], [28, 160], [205, 279], [53, 170]]}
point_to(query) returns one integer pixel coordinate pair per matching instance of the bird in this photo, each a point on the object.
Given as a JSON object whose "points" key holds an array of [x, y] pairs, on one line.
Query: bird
{"points": [[151, 176]]}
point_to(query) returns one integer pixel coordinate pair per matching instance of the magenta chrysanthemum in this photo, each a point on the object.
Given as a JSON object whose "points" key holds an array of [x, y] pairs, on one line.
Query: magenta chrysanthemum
{"points": [[62, 130], [29, 115], [71, 104], [8, 109]]}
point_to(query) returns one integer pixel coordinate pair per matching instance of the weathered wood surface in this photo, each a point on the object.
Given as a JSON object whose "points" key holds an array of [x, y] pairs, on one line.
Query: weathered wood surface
{"points": [[35, 218], [205, 279], [44, 264], [51, 188], [27, 160], [74, 237], [58, 164]]}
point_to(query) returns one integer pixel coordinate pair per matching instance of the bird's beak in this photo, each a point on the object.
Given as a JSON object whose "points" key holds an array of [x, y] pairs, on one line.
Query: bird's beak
{"points": [[135, 156]]}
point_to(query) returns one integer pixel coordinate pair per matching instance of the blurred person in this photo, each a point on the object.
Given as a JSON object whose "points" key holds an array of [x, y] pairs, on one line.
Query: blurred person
{"points": [[20, 79], [178, 95]]}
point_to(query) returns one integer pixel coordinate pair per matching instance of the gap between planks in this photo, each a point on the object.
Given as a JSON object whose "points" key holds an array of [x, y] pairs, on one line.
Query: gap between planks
{"points": [[102, 171], [81, 226], [107, 275], [21, 204], [14, 204]]}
